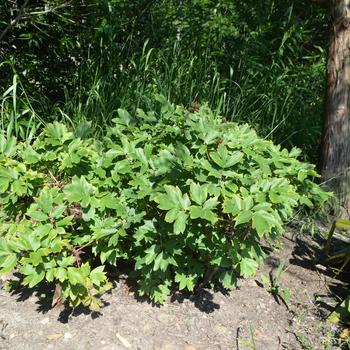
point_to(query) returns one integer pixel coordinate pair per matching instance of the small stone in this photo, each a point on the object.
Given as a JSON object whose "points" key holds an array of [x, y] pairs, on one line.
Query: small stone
{"points": [[67, 336]]}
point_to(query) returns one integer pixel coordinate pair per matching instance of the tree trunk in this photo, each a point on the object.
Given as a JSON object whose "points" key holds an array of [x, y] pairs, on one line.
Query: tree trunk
{"points": [[336, 128]]}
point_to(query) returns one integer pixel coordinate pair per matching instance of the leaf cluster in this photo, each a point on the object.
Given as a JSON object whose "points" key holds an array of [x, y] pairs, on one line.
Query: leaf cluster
{"points": [[184, 197]]}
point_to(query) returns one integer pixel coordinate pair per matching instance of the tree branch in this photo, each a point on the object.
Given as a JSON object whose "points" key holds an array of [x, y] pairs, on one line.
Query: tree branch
{"points": [[23, 15], [13, 23]]}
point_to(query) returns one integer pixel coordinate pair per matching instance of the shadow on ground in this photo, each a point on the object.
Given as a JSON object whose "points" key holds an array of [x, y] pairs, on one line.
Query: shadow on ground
{"points": [[303, 251]]}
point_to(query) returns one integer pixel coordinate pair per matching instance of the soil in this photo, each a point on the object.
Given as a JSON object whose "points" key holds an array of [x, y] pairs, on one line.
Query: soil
{"points": [[209, 320]]}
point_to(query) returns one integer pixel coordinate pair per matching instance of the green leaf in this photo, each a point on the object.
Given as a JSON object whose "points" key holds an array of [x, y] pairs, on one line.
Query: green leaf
{"points": [[248, 267], [206, 214], [45, 201], [65, 222], [124, 116], [209, 216], [248, 203], [306, 201], [234, 158], [151, 254], [7, 176], [61, 274], [50, 275], [263, 222], [211, 203], [88, 213], [161, 293], [19, 187], [286, 295], [79, 191], [38, 215], [172, 215], [7, 146], [98, 276], [243, 217], [180, 223], [8, 264], [36, 257], [165, 203], [110, 201], [58, 211], [75, 276], [57, 134], [36, 276], [232, 205], [198, 193], [217, 159], [185, 281], [32, 242], [158, 261], [30, 156], [265, 281], [228, 279], [196, 212]]}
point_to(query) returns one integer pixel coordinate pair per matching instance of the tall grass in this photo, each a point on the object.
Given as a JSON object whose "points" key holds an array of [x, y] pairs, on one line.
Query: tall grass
{"points": [[17, 116], [264, 99]]}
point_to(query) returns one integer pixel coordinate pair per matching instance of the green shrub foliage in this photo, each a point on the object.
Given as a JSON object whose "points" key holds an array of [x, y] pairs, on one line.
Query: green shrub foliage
{"points": [[185, 197]]}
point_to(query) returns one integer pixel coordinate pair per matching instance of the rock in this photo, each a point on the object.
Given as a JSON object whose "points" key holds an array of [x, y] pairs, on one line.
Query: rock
{"points": [[67, 336]]}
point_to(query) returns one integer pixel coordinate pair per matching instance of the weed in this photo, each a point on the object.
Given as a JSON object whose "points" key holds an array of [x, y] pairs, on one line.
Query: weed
{"points": [[273, 285], [249, 343]]}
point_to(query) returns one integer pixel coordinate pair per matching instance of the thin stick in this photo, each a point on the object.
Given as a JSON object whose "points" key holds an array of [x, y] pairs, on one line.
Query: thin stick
{"points": [[14, 22]]}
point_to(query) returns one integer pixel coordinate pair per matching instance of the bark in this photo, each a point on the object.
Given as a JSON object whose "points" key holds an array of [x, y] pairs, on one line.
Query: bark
{"points": [[336, 128]]}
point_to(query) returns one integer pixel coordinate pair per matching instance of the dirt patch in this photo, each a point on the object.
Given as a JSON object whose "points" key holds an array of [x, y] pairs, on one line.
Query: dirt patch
{"points": [[209, 320]]}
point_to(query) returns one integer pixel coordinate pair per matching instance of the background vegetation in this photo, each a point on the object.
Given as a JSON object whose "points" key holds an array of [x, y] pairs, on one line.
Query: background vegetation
{"points": [[260, 62]]}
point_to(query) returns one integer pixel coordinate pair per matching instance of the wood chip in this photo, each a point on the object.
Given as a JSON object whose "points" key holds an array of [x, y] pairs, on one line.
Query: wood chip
{"points": [[124, 341], [55, 336]]}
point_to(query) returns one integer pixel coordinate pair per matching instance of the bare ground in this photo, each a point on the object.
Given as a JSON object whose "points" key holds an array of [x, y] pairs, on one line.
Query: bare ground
{"points": [[209, 320]]}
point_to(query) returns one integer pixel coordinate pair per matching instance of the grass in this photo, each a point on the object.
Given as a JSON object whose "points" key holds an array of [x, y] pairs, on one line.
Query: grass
{"points": [[17, 114], [183, 77]]}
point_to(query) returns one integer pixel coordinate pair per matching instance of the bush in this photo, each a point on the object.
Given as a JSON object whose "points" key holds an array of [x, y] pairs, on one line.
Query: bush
{"points": [[185, 197]]}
